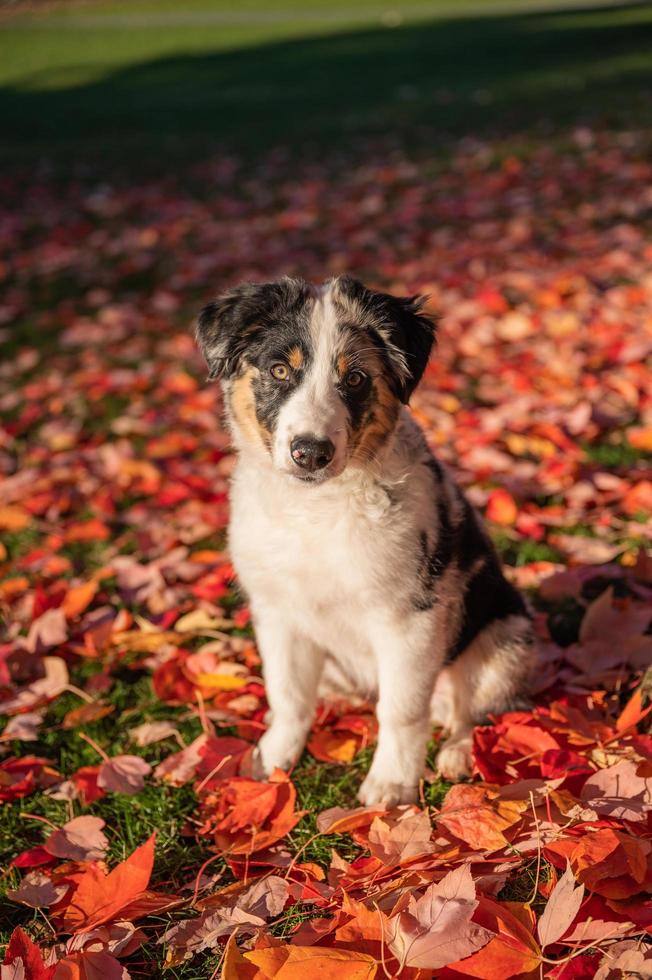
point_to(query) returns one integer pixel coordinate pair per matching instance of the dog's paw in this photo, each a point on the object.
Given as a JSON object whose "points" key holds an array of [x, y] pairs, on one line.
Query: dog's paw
{"points": [[380, 792], [257, 766], [275, 751], [454, 761]]}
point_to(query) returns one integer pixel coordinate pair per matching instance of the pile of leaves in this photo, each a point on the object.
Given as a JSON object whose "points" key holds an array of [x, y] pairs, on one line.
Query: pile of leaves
{"points": [[133, 834]]}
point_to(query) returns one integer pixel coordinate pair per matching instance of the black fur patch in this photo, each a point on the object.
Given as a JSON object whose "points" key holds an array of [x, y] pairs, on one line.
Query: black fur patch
{"points": [[359, 403], [433, 562], [436, 469], [473, 542], [488, 596]]}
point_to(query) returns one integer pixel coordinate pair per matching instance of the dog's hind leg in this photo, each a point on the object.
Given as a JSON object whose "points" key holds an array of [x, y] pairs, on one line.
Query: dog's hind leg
{"points": [[488, 677]]}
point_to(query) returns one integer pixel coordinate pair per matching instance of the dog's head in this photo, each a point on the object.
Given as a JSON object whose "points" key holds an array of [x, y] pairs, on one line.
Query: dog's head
{"points": [[314, 377]]}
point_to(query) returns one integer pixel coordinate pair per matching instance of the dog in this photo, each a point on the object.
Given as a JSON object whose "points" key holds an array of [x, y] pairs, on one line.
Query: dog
{"points": [[368, 572]]}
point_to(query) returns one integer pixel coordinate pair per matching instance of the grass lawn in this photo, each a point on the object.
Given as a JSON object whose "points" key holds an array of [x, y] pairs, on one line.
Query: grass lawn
{"points": [[159, 83], [495, 156]]}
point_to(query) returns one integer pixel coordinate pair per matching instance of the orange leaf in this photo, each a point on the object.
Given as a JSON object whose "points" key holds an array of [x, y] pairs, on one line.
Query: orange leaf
{"points": [[477, 816], [299, 962], [611, 863], [235, 966], [13, 518], [90, 965], [337, 820], [246, 816], [364, 929], [633, 712], [638, 498], [13, 587], [78, 599], [99, 898], [91, 530], [329, 746], [641, 438], [501, 507], [512, 952], [86, 713]]}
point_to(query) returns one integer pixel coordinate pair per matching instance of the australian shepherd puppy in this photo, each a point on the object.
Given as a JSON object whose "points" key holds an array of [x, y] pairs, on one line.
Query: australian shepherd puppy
{"points": [[368, 571]]}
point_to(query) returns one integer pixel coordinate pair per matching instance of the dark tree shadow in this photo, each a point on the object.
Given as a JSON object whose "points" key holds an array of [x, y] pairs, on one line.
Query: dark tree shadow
{"points": [[490, 75]]}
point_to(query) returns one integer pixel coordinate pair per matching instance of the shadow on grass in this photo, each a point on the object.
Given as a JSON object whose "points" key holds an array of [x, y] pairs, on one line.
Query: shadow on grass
{"points": [[489, 75]]}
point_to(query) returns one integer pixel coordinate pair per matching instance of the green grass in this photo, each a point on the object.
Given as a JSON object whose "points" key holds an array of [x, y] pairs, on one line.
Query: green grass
{"points": [[120, 82], [616, 455]]}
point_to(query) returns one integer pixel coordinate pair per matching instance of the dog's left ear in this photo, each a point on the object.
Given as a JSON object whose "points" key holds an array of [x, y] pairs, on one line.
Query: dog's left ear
{"points": [[410, 335], [405, 333]]}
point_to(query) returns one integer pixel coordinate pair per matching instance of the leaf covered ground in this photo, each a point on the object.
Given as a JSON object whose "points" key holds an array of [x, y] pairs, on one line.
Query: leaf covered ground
{"points": [[132, 840]]}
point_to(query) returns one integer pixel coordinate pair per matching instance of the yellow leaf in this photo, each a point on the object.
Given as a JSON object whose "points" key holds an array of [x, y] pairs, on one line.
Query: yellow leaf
{"points": [[220, 682]]}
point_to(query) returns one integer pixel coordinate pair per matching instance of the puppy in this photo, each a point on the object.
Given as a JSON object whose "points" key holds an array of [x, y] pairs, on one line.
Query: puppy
{"points": [[368, 572]]}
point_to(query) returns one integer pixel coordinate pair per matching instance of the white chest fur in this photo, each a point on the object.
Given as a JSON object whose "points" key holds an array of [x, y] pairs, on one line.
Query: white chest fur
{"points": [[333, 558], [324, 555]]}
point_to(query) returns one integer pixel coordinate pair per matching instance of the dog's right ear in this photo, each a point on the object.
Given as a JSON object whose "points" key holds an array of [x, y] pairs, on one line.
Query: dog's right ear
{"points": [[228, 326], [222, 330]]}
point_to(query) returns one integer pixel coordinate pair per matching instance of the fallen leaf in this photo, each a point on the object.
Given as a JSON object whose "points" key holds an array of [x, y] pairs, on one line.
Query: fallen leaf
{"points": [[78, 598], [297, 963], [478, 816], [37, 890], [49, 630], [86, 714], [619, 792], [501, 507], [400, 837], [436, 929], [153, 731], [23, 959], [245, 816], [53, 682], [338, 820], [100, 898], [81, 839], [561, 909], [90, 965], [23, 728], [511, 952], [626, 959], [123, 774]]}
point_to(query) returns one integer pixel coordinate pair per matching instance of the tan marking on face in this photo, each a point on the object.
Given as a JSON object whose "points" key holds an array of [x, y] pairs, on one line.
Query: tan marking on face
{"points": [[295, 358], [380, 422], [243, 410], [342, 365]]}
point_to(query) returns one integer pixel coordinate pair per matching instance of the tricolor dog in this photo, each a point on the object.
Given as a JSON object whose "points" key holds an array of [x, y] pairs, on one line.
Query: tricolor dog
{"points": [[368, 572]]}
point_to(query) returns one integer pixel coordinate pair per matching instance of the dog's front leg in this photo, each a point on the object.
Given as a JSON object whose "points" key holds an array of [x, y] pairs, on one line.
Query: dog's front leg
{"points": [[292, 666], [407, 665]]}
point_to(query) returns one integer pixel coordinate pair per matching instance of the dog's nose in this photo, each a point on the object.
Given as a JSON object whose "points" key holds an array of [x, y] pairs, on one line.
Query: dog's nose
{"points": [[311, 454]]}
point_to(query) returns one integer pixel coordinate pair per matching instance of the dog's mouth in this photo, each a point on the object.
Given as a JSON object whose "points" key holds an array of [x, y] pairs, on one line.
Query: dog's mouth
{"points": [[315, 479]]}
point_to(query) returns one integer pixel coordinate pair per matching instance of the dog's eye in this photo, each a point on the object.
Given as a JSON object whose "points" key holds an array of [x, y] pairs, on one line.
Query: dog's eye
{"points": [[354, 379], [280, 371]]}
